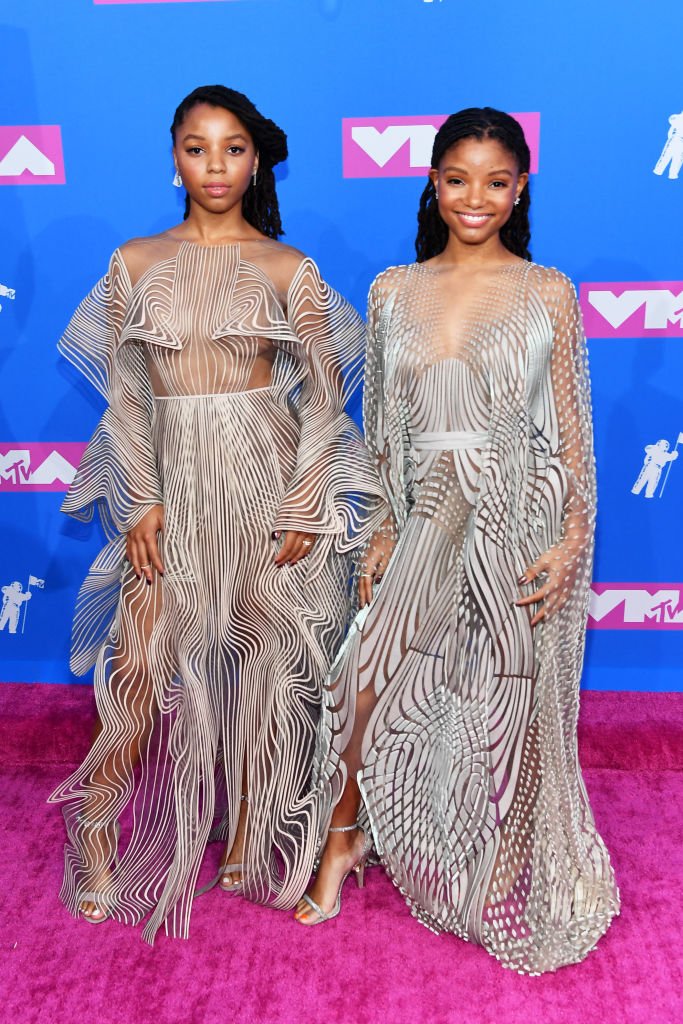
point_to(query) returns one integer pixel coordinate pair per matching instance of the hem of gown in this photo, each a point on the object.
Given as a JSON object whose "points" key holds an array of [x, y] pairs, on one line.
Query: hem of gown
{"points": [[428, 921]]}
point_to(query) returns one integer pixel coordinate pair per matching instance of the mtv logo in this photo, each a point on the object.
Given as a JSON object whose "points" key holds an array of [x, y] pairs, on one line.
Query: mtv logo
{"points": [[39, 466], [31, 155], [636, 606], [401, 147], [638, 309]]}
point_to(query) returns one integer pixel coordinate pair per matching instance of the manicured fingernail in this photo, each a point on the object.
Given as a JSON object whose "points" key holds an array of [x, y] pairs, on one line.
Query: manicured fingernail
{"points": [[522, 580], [275, 534]]}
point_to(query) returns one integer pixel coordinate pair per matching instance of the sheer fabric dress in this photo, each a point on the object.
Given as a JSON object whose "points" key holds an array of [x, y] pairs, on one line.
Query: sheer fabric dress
{"points": [[226, 405], [456, 716]]}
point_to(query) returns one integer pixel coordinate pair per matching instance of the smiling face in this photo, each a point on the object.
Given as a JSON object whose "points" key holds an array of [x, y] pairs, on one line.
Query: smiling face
{"points": [[477, 182], [216, 157]]}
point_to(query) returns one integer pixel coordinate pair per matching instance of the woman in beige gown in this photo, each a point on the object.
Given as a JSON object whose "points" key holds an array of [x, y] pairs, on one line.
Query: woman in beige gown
{"points": [[452, 709], [233, 488]]}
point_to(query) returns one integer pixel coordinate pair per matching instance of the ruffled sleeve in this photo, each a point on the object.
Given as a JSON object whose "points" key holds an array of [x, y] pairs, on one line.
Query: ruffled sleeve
{"points": [[335, 490], [118, 472]]}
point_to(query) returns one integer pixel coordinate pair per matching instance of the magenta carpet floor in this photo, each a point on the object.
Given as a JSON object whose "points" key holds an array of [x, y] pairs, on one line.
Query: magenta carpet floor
{"points": [[374, 964]]}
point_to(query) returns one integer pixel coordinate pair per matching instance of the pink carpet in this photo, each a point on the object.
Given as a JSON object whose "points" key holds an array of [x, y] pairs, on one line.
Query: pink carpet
{"points": [[373, 965]]}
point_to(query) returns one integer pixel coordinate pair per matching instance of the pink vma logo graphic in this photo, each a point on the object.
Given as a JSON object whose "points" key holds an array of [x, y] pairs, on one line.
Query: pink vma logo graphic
{"points": [[401, 147], [39, 467], [636, 606], [159, 1], [31, 155], [636, 309]]}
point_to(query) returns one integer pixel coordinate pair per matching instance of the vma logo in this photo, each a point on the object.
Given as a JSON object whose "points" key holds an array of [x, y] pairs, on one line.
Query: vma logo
{"points": [[401, 147], [39, 467], [636, 606], [158, 1], [31, 155], [639, 309]]}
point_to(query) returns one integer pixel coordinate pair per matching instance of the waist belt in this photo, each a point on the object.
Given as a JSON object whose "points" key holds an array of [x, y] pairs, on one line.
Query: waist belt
{"points": [[449, 440]]}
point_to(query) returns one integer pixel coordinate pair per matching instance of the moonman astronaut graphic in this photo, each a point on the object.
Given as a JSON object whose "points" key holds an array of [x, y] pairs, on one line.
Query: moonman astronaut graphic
{"points": [[13, 597], [656, 457], [672, 154], [5, 292]]}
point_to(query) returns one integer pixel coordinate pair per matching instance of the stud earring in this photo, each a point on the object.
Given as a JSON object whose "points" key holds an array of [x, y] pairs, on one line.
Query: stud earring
{"points": [[517, 201], [177, 180]]}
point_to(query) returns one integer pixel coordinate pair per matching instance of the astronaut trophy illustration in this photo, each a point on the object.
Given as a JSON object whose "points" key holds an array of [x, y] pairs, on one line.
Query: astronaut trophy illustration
{"points": [[657, 456], [672, 154], [7, 293], [13, 597]]}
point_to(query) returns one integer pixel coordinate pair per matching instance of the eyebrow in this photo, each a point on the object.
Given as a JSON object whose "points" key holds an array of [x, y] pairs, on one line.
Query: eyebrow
{"points": [[460, 170], [228, 138]]}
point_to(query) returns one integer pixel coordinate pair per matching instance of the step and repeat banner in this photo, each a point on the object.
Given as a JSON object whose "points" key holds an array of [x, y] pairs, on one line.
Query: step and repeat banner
{"points": [[87, 93]]}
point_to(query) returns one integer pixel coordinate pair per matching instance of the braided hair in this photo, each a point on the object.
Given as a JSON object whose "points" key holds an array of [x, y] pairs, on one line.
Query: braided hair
{"points": [[476, 123], [260, 207]]}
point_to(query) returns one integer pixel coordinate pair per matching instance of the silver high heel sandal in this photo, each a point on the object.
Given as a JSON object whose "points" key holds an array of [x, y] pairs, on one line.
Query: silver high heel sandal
{"points": [[223, 872], [358, 870], [229, 869], [103, 902]]}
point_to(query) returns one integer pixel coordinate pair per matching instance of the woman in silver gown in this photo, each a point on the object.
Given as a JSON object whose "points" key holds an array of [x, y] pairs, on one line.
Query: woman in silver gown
{"points": [[451, 712], [233, 488]]}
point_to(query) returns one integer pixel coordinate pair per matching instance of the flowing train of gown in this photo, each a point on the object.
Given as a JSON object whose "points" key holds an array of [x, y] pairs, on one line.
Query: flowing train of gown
{"points": [[226, 405], [456, 716]]}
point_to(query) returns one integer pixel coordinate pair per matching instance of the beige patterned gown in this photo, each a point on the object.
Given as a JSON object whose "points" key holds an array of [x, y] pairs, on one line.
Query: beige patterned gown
{"points": [[457, 717], [225, 403]]}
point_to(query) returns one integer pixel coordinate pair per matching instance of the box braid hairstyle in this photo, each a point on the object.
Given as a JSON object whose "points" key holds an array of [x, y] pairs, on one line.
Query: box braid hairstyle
{"points": [[260, 207], [476, 123]]}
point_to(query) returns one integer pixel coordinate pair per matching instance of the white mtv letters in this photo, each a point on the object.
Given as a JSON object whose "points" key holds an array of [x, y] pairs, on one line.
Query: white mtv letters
{"points": [[657, 456], [15, 465], [24, 156], [380, 146], [672, 154], [665, 606], [662, 307]]}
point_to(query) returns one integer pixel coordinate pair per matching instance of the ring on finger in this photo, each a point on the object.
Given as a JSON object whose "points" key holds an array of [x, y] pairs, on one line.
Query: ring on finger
{"points": [[148, 566], [307, 543]]}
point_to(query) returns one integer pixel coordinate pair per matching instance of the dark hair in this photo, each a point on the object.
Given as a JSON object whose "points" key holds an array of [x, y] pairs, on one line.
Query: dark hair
{"points": [[260, 207], [476, 123]]}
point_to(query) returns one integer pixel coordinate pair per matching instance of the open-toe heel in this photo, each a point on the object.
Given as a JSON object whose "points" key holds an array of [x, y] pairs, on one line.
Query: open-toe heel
{"points": [[357, 868], [103, 901]]}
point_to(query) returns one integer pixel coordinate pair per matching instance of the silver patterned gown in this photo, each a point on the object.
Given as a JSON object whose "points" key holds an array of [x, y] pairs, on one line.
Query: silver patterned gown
{"points": [[456, 716], [226, 405]]}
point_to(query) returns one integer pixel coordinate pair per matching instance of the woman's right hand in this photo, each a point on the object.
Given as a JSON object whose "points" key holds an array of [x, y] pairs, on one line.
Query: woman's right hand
{"points": [[374, 566], [142, 548]]}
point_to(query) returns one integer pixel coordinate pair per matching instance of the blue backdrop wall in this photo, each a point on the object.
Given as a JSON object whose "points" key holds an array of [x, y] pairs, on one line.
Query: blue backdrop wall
{"points": [[87, 92]]}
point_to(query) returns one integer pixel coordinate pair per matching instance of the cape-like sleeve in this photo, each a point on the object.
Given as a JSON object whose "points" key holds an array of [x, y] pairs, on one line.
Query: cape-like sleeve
{"points": [[335, 491], [118, 472]]}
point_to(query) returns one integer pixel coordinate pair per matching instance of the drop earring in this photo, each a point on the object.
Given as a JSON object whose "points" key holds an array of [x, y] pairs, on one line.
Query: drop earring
{"points": [[177, 180], [253, 177], [517, 201]]}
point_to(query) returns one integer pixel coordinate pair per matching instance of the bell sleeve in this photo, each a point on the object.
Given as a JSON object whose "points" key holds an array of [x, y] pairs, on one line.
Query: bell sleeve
{"points": [[118, 472], [334, 491]]}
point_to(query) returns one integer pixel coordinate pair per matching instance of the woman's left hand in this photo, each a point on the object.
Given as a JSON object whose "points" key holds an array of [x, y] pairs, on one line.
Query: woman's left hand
{"points": [[560, 564], [295, 546]]}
